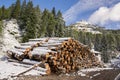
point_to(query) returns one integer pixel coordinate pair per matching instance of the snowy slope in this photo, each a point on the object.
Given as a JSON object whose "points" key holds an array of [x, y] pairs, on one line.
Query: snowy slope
{"points": [[10, 34]]}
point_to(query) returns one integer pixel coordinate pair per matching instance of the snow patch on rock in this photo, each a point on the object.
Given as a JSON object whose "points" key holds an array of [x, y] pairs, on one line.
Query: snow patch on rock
{"points": [[11, 33]]}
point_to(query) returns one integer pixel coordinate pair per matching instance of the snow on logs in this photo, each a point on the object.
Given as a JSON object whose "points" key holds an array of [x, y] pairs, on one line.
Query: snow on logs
{"points": [[61, 54]]}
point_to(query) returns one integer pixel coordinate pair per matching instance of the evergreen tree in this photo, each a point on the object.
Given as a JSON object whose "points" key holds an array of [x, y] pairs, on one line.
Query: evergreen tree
{"points": [[117, 37], [55, 21], [8, 13], [88, 39], [104, 48], [0, 12], [30, 22], [16, 11], [44, 22], [38, 15], [3, 12], [50, 25], [98, 42], [60, 24], [1, 25], [23, 16], [111, 42], [12, 7], [54, 12], [23, 7], [67, 31]]}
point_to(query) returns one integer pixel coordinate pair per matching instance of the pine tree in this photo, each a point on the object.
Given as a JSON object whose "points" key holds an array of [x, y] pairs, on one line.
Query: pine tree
{"points": [[16, 10], [30, 22], [98, 42], [44, 22], [8, 13], [51, 24], [54, 12], [117, 37], [0, 12], [104, 48], [12, 7], [1, 26], [88, 39], [60, 24], [3, 12], [23, 16], [38, 16], [23, 7]]}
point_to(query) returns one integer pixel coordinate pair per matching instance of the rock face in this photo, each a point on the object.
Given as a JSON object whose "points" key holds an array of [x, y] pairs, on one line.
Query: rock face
{"points": [[11, 34], [85, 27]]}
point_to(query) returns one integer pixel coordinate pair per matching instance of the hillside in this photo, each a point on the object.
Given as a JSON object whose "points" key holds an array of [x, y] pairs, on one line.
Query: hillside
{"points": [[10, 34], [85, 27]]}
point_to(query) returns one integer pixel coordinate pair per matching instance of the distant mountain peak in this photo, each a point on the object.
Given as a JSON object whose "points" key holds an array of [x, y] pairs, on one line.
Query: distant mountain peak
{"points": [[83, 22], [85, 27]]}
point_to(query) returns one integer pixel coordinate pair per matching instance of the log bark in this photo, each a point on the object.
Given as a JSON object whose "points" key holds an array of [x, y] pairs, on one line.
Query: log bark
{"points": [[15, 54], [22, 47], [25, 61]]}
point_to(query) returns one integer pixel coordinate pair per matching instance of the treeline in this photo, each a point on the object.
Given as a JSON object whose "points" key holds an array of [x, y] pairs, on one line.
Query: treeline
{"points": [[33, 22], [107, 43]]}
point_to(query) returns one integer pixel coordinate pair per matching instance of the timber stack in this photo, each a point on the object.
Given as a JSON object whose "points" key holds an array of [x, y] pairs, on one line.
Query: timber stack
{"points": [[61, 55]]}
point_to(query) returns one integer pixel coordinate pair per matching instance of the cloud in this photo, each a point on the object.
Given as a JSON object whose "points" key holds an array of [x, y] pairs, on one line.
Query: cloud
{"points": [[105, 15], [84, 5], [112, 25]]}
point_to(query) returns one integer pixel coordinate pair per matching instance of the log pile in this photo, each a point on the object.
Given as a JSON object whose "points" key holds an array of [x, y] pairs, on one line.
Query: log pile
{"points": [[61, 54]]}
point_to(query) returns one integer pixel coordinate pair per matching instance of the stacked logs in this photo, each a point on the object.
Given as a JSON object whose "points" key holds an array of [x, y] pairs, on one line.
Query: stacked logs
{"points": [[62, 54]]}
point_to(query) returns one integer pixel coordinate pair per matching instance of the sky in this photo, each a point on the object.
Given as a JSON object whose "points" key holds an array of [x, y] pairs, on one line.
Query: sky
{"points": [[105, 13]]}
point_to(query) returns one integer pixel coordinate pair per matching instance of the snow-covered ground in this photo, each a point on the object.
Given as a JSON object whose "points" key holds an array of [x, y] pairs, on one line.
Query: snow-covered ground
{"points": [[94, 69], [84, 71], [8, 69]]}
